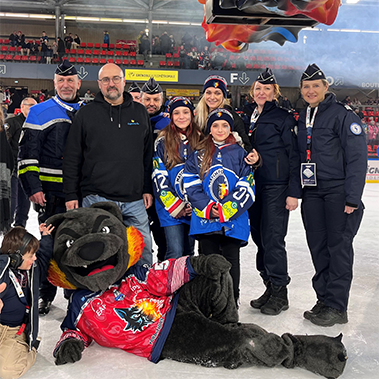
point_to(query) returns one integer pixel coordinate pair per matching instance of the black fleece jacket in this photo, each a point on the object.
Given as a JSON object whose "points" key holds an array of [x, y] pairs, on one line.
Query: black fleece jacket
{"points": [[109, 151]]}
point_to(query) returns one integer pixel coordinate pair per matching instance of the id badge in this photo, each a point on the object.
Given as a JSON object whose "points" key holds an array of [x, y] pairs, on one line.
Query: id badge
{"points": [[308, 174]]}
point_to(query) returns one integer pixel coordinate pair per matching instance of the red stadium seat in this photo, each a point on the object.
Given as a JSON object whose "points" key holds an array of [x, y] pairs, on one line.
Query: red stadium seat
{"points": [[133, 62], [118, 46], [12, 49], [95, 60], [9, 57], [80, 60], [255, 66], [25, 58], [88, 52], [73, 51], [249, 66], [89, 45], [170, 64], [162, 64], [168, 56], [233, 66], [33, 58], [110, 53], [104, 46], [83, 44], [72, 59], [2, 57], [111, 45], [140, 62], [176, 64], [125, 62], [17, 58], [103, 52], [175, 56], [103, 61], [18, 49], [87, 60], [110, 60], [125, 53], [95, 52], [81, 51], [97, 45], [4, 48], [6, 41], [133, 54], [117, 61], [118, 53]]}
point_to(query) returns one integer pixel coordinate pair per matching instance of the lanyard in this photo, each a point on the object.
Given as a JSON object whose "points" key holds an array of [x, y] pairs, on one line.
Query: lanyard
{"points": [[309, 125], [253, 120], [66, 106]]}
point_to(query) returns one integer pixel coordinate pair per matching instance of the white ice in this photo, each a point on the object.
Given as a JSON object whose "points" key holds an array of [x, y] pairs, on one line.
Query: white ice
{"points": [[360, 335]]}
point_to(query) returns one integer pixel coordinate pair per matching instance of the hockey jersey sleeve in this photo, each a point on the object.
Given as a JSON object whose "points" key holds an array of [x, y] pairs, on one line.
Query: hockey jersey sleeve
{"points": [[165, 278], [241, 198], [193, 186], [163, 190], [31, 143], [353, 142]]}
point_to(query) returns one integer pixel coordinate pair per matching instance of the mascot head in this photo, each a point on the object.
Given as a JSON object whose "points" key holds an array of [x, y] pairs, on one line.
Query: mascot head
{"points": [[92, 247]]}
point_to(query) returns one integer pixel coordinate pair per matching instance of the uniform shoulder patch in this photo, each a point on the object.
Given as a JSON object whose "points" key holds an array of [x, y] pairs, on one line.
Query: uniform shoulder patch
{"points": [[348, 107], [355, 128]]}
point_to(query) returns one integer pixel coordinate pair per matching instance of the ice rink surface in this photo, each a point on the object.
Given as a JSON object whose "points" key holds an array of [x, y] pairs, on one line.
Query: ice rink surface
{"points": [[361, 334]]}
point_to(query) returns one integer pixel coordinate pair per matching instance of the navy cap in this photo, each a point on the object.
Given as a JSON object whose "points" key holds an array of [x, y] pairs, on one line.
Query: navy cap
{"points": [[134, 88], [313, 72], [216, 81], [151, 87], [179, 101], [66, 69], [219, 114], [267, 77]]}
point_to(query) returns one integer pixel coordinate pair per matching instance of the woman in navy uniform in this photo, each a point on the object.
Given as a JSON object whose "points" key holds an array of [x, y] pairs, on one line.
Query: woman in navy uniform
{"points": [[278, 189], [333, 153]]}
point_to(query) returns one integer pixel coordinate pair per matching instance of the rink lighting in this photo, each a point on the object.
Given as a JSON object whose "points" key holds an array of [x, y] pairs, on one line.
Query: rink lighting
{"points": [[135, 21], [41, 16], [351, 30], [87, 19], [369, 31], [111, 19], [16, 15], [178, 23]]}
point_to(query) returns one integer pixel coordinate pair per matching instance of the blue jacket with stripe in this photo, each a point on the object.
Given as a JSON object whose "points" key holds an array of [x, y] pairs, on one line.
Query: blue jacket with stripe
{"points": [[228, 184], [42, 142]]}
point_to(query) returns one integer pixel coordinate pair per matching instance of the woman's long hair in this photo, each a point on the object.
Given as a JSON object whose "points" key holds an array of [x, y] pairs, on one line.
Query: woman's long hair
{"points": [[172, 136], [207, 149], [202, 112]]}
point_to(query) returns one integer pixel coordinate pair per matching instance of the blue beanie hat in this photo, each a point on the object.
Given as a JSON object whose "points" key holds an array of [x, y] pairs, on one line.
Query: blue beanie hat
{"points": [[66, 69], [219, 114], [179, 101], [216, 82]]}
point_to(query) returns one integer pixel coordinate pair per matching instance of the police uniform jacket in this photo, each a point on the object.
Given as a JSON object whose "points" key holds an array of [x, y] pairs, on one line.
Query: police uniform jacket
{"points": [[42, 143], [35, 274], [274, 138], [168, 183], [228, 184], [338, 147]]}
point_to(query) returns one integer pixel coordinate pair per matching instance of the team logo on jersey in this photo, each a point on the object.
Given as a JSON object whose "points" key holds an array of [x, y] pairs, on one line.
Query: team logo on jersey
{"points": [[356, 128], [178, 184], [140, 316], [155, 163], [218, 185]]}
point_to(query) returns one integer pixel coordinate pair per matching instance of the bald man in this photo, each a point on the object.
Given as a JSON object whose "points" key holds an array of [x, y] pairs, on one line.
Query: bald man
{"points": [[116, 163], [20, 203]]}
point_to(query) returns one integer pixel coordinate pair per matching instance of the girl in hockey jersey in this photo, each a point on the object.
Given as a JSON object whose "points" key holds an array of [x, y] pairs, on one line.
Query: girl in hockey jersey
{"points": [[172, 148], [220, 187]]}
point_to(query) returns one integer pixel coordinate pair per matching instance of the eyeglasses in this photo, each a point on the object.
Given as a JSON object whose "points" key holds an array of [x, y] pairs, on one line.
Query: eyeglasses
{"points": [[115, 80]]}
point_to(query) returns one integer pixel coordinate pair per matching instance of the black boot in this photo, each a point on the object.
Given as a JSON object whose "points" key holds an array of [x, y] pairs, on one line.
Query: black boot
{"points": [[314, 311], [44, 306], [277, 302], [329, 316], [258, 303]]}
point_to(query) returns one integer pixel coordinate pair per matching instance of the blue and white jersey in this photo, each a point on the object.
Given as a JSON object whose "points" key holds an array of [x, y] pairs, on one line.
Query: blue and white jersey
{"points": [[168, 184], [228, 184]]}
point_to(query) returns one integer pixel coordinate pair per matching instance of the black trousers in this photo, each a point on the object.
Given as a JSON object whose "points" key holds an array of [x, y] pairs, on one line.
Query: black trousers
{"points": [[268, 225], [158, 232], [54, 205], [229, 248], [330, 234]]}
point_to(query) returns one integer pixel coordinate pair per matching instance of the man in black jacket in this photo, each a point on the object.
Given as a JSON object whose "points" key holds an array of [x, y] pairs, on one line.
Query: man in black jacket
{"points": [[108, 155], [20, 203]]}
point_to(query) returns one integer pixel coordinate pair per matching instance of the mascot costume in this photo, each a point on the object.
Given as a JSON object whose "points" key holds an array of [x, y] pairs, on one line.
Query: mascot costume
{"points": [[180, 309]]}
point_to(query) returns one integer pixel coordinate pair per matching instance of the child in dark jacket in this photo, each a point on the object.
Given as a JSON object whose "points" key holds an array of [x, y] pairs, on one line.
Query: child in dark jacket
{"points": [[220, 187], [20, 277]]}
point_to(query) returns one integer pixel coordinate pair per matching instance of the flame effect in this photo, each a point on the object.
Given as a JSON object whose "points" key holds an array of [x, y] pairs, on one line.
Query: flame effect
{"points": [[235, 37], [135, 244], [57, 277], [149, 308]]}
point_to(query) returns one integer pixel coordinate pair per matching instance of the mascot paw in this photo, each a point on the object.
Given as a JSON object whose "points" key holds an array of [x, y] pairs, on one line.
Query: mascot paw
{"points": [[211, 266], [69, 351]]}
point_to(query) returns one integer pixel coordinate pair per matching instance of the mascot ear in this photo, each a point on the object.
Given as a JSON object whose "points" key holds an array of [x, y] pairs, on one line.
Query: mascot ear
{"points": [[339, 337], [56, 220], [110, 207]]}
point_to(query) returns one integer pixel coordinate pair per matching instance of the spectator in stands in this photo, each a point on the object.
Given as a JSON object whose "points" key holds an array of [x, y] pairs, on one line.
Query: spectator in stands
{"points": [[218, 60], [196, 43], [173, 43], [356, 102], [145, 46], [88, 96], [76, 42], [187, 41], [135, 91], [286, 103], [240, 63], [49, 54], [183, 57], [25, 48], [193, 57], [372, 134], [44, 37], [55, 52], [20, 38], [61, 48], [204, 60], [346, 100], [34, 48], [68, 40], [156, 48], [106, 38], [13, 39], [359, 113], [165, 43], [43, 52]]}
